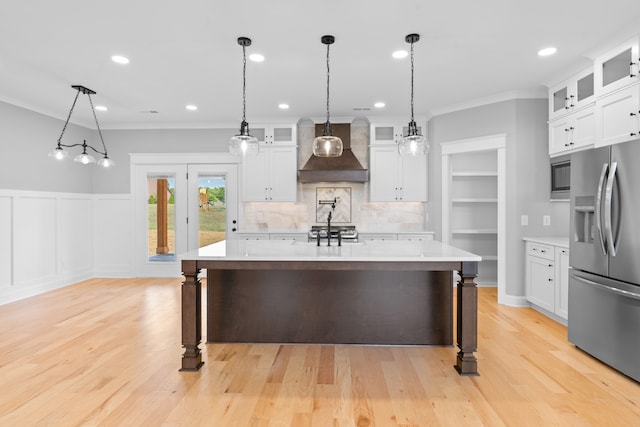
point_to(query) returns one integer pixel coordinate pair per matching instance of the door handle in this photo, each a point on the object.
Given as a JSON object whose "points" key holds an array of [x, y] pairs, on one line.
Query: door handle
{"points": [[603, 176], [608, 197]]}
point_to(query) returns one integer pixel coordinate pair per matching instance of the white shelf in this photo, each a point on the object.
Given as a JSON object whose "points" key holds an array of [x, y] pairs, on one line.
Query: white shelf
{"points": [[475, 200], [474, 174], [475, 231], [489, 257]]}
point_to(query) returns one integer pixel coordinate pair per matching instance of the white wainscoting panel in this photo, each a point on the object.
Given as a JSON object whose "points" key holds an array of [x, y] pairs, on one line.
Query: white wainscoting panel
{"points": [[49, 240], [6, 241], [75, 241], [35, 233], [113, 235]]}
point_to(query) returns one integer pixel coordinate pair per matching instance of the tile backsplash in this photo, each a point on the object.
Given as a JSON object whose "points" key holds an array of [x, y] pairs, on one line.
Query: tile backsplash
{"points": [[366, 216]]}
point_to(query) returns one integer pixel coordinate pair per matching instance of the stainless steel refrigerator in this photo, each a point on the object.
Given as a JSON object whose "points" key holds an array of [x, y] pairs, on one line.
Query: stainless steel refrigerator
{"points": [[604, 278]]}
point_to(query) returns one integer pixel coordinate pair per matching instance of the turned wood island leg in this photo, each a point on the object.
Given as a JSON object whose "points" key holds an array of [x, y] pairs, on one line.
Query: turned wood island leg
{"points": [[191, 317], [467, 320]]}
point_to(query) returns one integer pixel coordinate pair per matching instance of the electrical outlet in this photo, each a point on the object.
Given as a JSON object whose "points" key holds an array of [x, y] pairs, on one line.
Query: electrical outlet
{"points": [[546, 220], [524, 219]]}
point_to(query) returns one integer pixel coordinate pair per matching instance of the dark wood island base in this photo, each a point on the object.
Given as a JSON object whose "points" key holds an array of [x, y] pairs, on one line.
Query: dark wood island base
{"points": [[330, 302]]}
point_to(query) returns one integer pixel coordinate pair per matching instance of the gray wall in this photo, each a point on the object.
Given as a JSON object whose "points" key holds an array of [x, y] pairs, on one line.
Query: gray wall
{"points": [[525, 124], [28, 137], [121, 143]]}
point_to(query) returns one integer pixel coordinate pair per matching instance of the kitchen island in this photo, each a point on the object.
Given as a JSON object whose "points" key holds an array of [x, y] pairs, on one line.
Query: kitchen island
{"points": [[374, 293]]}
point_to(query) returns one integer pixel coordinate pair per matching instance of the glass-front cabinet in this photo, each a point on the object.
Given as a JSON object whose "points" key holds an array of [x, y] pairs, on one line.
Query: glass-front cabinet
{"points": [[618, 67], [572, 94], [275, 134]]}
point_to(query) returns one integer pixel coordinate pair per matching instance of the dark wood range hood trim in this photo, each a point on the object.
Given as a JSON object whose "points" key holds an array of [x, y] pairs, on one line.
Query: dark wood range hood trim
{"points": [[345, 168]]}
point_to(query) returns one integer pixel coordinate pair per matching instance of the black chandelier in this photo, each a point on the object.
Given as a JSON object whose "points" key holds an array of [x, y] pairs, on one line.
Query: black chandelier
{"points": [[59, 153]]}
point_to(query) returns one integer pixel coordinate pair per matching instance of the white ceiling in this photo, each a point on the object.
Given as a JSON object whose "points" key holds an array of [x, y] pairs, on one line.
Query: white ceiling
{"points": [[185, 52]]}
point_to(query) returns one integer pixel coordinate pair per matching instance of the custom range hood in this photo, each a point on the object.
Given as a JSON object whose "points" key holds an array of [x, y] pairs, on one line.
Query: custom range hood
{"points": [[345, 168]]}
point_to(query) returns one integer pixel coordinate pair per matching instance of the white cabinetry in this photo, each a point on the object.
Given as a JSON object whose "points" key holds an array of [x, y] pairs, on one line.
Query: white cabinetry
{"points": [[272, 174], [275, 134], [618, 67], [572, 132], [395, 178], [572, 94], [618, 116], [547, 278]]}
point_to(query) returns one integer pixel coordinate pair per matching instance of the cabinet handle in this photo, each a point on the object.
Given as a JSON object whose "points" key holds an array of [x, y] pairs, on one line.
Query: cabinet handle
{"points": [[550, 265], [631, 69], [571, 104], [550, 279]]}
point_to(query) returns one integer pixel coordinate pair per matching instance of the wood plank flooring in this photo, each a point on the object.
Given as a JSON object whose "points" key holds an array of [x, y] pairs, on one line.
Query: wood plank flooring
{"points": [[107, 352]]}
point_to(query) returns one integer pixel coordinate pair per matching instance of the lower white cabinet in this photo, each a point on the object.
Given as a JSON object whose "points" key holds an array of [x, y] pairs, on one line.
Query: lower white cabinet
{"points": [[547, 277]]}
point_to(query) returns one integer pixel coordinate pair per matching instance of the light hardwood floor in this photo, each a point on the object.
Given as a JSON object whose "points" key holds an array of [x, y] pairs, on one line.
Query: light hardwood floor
{"points": [[107, 352]]}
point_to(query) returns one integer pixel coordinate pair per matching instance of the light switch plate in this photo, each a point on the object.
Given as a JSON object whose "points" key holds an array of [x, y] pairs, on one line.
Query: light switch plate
{"points": [[524, 219], [546, 220]]}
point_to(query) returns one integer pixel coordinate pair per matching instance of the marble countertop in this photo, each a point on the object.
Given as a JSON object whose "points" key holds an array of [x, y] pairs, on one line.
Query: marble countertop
{"points": [[283, 250], [563, 242]]}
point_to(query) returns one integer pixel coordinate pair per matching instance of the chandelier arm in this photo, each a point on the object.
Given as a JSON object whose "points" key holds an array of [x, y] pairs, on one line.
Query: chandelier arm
{"points": [[64, 128], [93, 110]]}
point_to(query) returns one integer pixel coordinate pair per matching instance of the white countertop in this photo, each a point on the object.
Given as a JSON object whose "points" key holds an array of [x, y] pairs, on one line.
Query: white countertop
{"points": [[284, 250], [562, 242]]}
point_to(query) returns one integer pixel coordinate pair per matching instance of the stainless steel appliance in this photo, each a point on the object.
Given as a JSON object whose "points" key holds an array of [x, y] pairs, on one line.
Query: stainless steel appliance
{"points": [[604, 278], [560, 178], [348, 233]]}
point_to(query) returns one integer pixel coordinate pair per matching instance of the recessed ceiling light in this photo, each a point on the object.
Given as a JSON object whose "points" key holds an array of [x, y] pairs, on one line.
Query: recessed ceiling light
{"points": [[283, 106], [399, 54], [379, 105], [547, 51], [101, 108], [119, 59], [191, 107], [256, 57]]}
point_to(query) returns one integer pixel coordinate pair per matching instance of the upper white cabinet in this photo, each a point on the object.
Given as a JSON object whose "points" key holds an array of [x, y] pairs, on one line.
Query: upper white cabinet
{"points": [[618, 116], [271, 176], [618, 67], [390, 133], [572, 94], [572, 132], [275, 134], [395, 178]]}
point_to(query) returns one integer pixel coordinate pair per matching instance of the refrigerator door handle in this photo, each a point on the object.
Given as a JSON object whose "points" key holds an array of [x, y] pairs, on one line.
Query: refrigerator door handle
{"points": [[608, 206], [598, 207], [609, 289]]}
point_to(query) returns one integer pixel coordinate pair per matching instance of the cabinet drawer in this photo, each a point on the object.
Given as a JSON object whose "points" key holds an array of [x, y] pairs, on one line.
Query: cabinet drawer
{"points": [[541, 250]]}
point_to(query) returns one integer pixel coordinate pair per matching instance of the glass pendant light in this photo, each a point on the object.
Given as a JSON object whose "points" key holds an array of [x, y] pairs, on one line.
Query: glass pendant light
{"points": [[244, 143], [327, 145], [59, 153], [413, 143]]}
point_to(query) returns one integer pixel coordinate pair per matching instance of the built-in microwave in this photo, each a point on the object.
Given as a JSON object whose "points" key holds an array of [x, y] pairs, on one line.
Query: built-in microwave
{"points": [[560, 177]]}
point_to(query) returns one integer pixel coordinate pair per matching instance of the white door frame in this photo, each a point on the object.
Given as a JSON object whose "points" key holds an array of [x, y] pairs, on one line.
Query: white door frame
{"points": [[141, 165], [497, 142]]}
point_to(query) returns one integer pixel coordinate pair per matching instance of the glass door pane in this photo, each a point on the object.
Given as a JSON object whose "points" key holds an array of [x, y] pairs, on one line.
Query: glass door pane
{"points": [[213, 204], [161, 193], [212, 209]]}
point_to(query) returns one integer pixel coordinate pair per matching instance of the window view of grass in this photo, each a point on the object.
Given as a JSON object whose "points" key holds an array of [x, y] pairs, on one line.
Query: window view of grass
{"points": [[212, 213]]}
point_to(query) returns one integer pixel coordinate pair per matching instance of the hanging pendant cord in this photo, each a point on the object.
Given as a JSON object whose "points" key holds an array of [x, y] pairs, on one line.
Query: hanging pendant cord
{"points": [[328, 83], [64, 128], [244, 83], [412, 81]]}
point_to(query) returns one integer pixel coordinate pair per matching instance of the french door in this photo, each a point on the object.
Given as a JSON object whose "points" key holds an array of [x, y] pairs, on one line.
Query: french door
{"points": [[180, 208]]}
